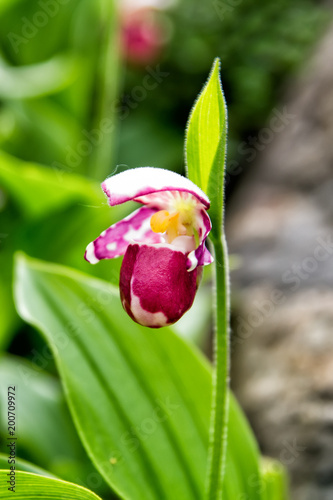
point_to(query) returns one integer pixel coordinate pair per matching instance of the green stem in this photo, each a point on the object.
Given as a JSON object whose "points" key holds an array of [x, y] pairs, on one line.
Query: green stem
{"points": [[220, 402]]}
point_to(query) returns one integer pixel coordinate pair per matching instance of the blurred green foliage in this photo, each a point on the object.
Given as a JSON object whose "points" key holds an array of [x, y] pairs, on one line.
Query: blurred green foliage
{"points": [[260, 44], [50, 58], [52, 63]]}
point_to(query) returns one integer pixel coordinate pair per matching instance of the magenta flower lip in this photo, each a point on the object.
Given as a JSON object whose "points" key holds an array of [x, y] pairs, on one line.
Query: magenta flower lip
{"points": [[168, 293], [163, 243]]}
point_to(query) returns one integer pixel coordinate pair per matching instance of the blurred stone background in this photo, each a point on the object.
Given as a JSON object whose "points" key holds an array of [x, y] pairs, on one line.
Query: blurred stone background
{"points": [[280, 225]]}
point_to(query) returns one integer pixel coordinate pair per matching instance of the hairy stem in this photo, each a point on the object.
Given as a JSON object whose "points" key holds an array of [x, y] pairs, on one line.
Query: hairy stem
{"points": [[220, 402]]}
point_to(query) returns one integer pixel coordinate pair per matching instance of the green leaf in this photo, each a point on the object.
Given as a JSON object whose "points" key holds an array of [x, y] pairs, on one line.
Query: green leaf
{"points": [[274, 480], [205, 144], [140, 399], [30, 486], [242, 455], [24, 466]]}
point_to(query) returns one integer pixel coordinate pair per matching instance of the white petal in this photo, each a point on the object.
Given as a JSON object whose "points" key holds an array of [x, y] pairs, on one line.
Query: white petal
{"points": [[137, 184]]}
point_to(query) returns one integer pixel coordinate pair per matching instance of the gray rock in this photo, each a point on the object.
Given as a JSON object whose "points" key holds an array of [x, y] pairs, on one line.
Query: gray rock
{"points": [[280, 224]]}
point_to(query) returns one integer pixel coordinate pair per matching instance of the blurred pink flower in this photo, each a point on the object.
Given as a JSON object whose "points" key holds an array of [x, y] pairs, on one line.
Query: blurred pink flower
{"points": [[143, 35]]}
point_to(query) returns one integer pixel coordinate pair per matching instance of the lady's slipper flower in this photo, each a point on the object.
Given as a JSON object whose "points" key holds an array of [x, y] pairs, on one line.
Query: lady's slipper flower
{"points": [[163, 243]]}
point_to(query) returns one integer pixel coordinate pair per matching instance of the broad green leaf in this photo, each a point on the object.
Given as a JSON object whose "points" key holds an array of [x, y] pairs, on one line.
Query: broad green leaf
{"points": [[206, 144], [242, 455], [274, 480], [24, 466], [140, 399], [30, 486]]}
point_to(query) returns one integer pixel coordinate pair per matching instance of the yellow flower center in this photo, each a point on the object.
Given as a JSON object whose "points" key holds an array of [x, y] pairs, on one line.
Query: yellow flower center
{"points": [[178, 223], [162, 222]]}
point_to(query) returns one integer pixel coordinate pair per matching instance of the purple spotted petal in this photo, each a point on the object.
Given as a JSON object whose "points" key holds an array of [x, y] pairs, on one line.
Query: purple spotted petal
{"points": [[142, 185], [114, 241], [155, 287], [199, 257]]}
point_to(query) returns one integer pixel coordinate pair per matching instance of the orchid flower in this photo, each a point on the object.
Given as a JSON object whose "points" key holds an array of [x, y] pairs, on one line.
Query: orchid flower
{"points": [[163, 243]]}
